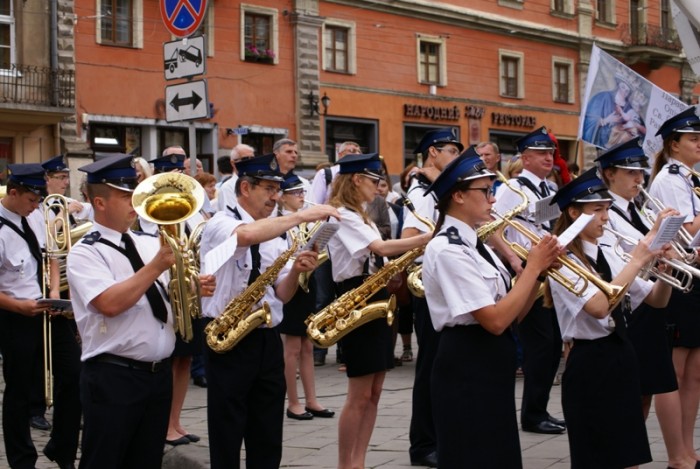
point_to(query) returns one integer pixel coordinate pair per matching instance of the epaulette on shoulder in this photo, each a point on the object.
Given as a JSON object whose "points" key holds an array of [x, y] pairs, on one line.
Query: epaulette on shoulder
{"points": [[143, 233], [91, 238], [452, 235], [674, 169]]}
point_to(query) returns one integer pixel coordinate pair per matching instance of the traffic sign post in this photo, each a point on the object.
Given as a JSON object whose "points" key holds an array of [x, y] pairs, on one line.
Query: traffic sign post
{"points": [[184, 58], [182, 17], [186, 101]]}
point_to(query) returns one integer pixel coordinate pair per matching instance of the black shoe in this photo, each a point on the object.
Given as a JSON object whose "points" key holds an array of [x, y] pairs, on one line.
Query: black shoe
{"points": [[319, 360], [429, 460], [183, 440], [323, 413], [52, 457], [39, 422], [545, 427], [304, 416], [200, 381], [556, 421]]}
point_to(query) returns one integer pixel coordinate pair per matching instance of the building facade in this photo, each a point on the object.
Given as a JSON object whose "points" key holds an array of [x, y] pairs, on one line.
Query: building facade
{"points": [[323, 72]]}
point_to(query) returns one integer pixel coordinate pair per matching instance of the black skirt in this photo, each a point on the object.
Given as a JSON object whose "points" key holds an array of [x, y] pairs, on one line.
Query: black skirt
{"points": [[367, 349], [649, 336], [193, 347], [684, 318], [600, 398], [473, 392], [297, 310]]}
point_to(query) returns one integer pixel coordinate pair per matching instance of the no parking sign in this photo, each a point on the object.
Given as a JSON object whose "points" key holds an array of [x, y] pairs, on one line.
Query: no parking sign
{"points": [[182, 17]]}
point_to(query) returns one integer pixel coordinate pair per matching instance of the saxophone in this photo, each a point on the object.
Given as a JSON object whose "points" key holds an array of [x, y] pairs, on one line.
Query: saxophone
{"points": [[351, 310], [238, 318], [414, 279]]}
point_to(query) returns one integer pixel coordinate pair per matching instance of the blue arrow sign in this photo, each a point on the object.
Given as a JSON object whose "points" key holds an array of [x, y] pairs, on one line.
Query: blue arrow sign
{"points": [[182, 17]]}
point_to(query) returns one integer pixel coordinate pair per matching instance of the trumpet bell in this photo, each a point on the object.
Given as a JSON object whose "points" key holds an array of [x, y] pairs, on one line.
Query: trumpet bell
{"points": [[168, 198]]}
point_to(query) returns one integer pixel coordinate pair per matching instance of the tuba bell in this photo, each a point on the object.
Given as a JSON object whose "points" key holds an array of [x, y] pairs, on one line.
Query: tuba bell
{"points": [[168, 200]]}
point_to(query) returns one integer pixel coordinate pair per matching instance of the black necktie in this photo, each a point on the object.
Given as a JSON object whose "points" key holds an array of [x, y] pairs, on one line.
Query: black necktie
{"points": [[695, 180], [255, 256], [544, 189], [34, 248], [636, 219], [485, 253], [603, 268], [152, 294]]}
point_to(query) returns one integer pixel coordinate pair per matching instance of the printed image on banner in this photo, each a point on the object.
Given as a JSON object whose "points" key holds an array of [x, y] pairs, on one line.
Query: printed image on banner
{"points": [[620, 104], [182, 17]]}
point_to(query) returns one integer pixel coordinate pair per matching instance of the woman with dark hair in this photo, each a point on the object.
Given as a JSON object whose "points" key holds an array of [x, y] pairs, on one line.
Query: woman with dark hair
{"points": [[466, 285], [600, 384], [358, 250], [673, 184]]}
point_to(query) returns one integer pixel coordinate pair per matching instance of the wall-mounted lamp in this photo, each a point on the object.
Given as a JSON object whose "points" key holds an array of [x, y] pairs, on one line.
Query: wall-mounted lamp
{"points": [[313, 104]]}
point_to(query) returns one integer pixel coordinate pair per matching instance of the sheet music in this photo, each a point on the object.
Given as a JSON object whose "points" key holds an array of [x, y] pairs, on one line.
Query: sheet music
{"points": [[218, 256], [321, 237], [544, 211], [667, 231], [576, 227], [57, 305]]}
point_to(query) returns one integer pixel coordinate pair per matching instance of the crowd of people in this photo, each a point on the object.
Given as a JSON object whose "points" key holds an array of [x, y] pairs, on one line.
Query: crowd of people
{"points": [[496, 292]]}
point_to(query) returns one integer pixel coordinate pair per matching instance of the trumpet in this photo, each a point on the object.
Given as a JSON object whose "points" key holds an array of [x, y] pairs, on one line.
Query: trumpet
{"points": [[683, 236], [681, 277], [614, 293]]}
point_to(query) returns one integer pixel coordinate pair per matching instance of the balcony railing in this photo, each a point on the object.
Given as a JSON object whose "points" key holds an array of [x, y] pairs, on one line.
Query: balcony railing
{"points": [[37, 86], [649, 35]]}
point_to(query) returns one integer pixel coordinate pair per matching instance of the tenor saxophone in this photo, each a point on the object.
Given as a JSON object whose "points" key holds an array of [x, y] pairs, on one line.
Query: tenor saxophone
{"points": [[351, 310], [238, 318]]}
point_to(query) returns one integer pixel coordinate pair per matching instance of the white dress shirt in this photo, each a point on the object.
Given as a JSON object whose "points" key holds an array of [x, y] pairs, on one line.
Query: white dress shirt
{"points": [[17, 265], [349, 247]]}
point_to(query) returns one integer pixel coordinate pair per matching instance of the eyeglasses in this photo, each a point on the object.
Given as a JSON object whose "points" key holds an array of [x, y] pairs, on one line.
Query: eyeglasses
{"points": [[296, 192], [373, 179], [61, 177], [487, 191], [271, 190], [450, 150]]}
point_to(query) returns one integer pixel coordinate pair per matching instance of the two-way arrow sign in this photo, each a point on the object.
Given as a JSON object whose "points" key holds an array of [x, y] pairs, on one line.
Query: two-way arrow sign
{"points": [[186, 101]]}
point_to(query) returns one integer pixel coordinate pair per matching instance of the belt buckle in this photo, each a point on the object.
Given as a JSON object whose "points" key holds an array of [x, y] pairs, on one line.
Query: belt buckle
{"points": [[154, 365]]}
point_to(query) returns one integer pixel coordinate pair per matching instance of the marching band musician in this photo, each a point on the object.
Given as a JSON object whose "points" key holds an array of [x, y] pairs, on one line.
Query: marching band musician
{"points": [[124, 321], [539, 331], [473, 378], [246, 385], [601, 380], [22, 237], [622, 169], [298, 349], [357, 250], [673, 184], [438, 147]]}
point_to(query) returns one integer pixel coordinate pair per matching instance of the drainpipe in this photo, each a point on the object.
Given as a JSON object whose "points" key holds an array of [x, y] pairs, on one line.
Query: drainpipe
{"points": [[53, 48]]}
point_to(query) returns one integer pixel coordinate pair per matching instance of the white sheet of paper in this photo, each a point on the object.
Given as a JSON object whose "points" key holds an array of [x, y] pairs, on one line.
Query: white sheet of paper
{"points": [[667, 231], [545, 212], [576, 227], [321, 236], [695, 243], [219, 255]]}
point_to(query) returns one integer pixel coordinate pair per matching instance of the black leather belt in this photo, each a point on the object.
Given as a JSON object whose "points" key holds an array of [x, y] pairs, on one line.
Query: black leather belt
{"points": [[151, 367]]}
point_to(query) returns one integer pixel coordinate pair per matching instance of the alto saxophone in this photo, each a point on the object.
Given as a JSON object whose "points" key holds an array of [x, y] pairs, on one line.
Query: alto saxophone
{"points": [[238, 318], [351, 310], [414, 279]]}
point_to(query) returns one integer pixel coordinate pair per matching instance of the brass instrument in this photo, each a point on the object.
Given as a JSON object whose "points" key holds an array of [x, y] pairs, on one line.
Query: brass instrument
{"points": [[238, 318], [305, 234], [169, 199], [683, 238], [351, 310], [697, 175], [486, 230], [414, 277], [681, 277], [614, 293]]}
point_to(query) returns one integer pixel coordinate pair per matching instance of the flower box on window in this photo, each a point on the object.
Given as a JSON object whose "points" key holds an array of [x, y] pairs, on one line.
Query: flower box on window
{"points": [[254, 54]]}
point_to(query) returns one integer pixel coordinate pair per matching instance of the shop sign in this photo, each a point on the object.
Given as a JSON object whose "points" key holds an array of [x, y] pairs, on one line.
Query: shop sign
{"points": [[513, 120]]}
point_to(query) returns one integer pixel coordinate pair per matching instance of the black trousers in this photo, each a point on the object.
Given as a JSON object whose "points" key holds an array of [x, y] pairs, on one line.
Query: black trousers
{"points": [[542, 345], [245, 393], [422, 431], [126, 416]]}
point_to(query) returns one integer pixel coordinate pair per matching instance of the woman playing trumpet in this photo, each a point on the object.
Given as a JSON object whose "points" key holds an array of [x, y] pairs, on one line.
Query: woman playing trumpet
{"points": [[473, 378], [601, 382], [357, 249], [674, 185], [623, 172]]}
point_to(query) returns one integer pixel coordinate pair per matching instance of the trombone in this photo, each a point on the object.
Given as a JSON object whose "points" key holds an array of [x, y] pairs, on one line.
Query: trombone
{"points": [[683, 236], [680, 278]]}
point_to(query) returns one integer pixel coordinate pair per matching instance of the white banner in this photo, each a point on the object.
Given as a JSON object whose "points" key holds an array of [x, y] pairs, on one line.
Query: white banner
{"points": [[620, 104], [688, 34]]}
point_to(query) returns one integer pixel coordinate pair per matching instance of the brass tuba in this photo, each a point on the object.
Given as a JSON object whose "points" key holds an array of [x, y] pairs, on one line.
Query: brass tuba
{"points": [[169, 199], [238, 318], [351, 310]]}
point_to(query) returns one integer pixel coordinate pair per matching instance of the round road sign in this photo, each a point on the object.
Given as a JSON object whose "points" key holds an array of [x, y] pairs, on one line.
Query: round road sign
{"points": [[182, 17]]}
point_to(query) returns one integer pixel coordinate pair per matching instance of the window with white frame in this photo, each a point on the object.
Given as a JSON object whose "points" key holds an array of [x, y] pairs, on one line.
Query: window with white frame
{"points": [[562, 80], [339, 46], [511, 74], [604, 11], [565, 7], [7, 34], [120, 23], [432, 60], [259, 34]]}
